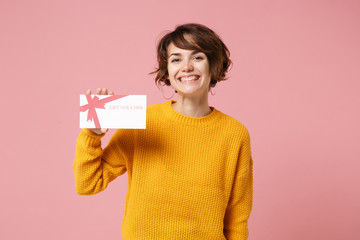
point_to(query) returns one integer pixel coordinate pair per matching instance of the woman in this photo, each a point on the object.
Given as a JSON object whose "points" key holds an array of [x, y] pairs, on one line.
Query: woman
{"points": [[190, 170]]}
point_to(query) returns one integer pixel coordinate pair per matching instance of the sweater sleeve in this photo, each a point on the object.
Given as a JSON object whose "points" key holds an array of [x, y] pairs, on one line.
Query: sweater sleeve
{"points": [[94, 167], [240, 202]]}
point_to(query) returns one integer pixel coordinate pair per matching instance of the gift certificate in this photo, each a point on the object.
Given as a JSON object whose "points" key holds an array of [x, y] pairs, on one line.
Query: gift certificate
{"points": [[113, 111]]}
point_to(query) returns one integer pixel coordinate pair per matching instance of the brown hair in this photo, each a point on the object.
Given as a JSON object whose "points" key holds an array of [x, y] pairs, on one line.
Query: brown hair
{"points": [[203, 39]]}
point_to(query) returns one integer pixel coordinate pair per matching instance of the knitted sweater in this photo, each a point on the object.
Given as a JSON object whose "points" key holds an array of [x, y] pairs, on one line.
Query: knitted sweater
{"points": [[188, 178]]}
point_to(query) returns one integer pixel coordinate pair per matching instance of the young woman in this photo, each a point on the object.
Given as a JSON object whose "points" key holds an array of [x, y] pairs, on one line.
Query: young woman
{"points": [[190, 171]]}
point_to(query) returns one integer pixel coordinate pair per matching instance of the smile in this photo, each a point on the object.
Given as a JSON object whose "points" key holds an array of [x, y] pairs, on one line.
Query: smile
{"points": [[191, 78]]}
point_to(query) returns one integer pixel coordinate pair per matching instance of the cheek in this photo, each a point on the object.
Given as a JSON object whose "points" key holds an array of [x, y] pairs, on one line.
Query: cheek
{"points": [[171, 71], [206, 70]]}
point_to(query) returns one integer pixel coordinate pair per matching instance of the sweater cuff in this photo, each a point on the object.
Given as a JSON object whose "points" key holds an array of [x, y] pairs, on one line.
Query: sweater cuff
{"points": [[91, 133], [90, 138]]}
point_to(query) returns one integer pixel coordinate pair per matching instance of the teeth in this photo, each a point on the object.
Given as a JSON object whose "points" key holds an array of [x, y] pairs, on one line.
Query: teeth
{"points": [[189, 78]]}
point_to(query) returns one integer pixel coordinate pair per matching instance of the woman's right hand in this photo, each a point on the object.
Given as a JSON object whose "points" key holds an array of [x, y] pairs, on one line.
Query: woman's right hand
{"points": [[99, 91]]}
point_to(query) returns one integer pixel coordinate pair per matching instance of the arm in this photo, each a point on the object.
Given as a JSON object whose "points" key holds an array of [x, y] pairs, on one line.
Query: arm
{"points": [[240, 202], [94, 167]]}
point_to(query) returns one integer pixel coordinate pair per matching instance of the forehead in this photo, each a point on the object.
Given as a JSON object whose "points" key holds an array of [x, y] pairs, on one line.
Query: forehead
{"points": [[173, 49]]}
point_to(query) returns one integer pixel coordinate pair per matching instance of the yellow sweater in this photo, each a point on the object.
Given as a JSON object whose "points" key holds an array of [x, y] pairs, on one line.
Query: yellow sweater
{"points": [[188, 178]]}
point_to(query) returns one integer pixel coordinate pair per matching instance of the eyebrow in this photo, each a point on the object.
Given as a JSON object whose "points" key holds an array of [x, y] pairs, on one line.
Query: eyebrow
{"points": [[179, 54]]}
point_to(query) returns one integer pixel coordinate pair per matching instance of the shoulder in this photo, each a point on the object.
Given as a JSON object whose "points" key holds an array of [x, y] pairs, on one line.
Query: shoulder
{"points": [[236, 127], [156, 106], [156, 110]]}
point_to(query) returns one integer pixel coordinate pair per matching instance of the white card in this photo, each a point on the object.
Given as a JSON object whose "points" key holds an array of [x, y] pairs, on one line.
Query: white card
{"points": [[113, 111]]}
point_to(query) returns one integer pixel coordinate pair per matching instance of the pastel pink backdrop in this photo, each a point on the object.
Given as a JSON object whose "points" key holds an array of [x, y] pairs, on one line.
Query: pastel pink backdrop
{"points": [[294, 84]]}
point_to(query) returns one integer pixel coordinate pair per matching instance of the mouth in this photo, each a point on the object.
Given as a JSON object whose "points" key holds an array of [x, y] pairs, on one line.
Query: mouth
{"points": [[188, 79]]}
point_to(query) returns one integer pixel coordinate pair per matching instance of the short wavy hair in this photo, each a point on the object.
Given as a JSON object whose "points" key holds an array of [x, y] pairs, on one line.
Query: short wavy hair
{"points": [[202, 39]]}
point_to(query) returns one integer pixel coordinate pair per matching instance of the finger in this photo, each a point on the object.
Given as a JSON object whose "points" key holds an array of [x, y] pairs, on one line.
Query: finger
{"points": [[104, 91], [112, 93], [98, 91], [88, 92]]}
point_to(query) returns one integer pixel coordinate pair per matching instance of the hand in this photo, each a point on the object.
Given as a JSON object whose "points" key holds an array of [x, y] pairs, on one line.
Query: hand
{"points": [[99, 91]]}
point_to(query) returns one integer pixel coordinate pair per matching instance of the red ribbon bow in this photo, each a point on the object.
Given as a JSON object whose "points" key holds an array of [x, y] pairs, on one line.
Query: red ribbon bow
{"points": [[96, 103]]}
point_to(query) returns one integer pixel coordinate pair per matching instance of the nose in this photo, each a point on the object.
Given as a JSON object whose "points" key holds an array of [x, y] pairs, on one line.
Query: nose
{"points": [[188, 66]]}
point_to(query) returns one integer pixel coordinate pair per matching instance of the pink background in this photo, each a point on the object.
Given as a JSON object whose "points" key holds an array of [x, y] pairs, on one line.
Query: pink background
{"points": [[294, 84]]}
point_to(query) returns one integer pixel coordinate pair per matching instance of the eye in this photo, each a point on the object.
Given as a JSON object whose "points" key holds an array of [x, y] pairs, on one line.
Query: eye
{"points": [[199, 58], [175, 60]]}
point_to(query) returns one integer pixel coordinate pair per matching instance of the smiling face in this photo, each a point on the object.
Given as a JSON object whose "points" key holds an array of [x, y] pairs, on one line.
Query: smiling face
{"points": [[189, 72]]}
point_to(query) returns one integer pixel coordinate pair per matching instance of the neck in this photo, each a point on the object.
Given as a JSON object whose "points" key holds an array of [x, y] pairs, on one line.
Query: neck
{"points": [[193, 107]]}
